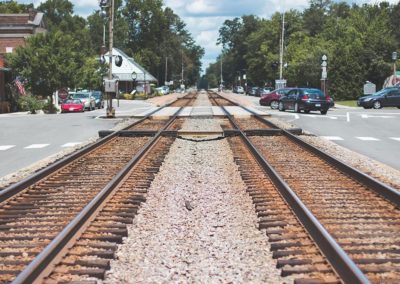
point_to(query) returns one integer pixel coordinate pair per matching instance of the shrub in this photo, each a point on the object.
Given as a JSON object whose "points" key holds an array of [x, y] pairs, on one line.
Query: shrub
{"points": [[49, 107], [141, 96], [30, 103]]}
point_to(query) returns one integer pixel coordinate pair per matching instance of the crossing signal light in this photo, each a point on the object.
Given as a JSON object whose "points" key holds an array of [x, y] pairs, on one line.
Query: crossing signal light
{"points": [[118, 60]]}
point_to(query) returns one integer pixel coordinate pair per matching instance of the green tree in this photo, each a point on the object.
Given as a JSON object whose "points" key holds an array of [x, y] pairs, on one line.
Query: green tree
{"points": [[48, 62], [12, 7]]}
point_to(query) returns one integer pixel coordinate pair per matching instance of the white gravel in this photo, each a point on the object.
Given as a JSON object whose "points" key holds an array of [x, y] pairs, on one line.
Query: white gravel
{"points": [[198, 224]]}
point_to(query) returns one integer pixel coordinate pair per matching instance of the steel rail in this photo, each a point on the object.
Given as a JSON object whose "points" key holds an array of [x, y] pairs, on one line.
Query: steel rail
{"points": [[378, 187], [344, 266], [38, 268], [21, 185]]}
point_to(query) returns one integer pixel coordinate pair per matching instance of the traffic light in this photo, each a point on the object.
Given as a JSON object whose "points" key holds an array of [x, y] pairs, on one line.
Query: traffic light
{"points": [[118, 60], [103, 3], [274, 65]]}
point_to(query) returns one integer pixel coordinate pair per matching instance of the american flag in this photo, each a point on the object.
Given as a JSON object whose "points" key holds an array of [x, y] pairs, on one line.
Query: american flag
{"points": [[20, 86]]}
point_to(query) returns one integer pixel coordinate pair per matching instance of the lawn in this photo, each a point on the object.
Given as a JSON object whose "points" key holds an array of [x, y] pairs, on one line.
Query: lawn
{"points": [[347, 103]]}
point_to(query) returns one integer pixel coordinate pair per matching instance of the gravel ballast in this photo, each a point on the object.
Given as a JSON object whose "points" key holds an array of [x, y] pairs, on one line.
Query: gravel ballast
{"points": [[198, 224]]}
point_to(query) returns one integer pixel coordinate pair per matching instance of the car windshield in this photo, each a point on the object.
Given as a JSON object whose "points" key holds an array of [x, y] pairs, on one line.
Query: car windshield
{"points": [[314, 94], [72, 102], [381, 92], [81, 96], [96, 95]]}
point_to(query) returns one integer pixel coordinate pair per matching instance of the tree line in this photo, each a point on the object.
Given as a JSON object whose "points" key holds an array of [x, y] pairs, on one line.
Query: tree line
{"points": [[67, 55], [358, 40]]}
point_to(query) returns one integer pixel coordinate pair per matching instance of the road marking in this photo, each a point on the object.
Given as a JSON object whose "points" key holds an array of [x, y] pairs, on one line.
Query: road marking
{"points": [[367, 138], [348, 116], [6, 147], [296, 116], [36, 146], [395, 138], [71, 144], [376, 116], [332, 138]]}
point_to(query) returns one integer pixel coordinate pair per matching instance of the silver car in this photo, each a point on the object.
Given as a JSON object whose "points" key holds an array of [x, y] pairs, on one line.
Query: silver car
{"points": [[87, 99]]}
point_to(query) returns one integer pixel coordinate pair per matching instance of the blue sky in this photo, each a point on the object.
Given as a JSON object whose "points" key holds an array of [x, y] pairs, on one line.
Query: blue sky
{"points": [[205, 17]]}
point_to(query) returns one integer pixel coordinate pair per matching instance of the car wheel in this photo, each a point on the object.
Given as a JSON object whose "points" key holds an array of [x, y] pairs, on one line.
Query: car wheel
{"points": [[274, 104], [296, 107], [324, 111], [377, 105], [306, 111], [280, 107]]}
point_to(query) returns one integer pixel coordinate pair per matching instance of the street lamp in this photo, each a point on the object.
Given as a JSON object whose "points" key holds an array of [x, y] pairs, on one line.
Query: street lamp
{"points": [[324, 75]]}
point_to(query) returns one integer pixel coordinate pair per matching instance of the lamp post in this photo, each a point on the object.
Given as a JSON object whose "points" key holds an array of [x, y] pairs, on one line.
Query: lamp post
{"points": [[394, 57], [324, 75]]}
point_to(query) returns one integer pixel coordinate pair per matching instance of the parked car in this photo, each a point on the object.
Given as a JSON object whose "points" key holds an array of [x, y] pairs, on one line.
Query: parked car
{"points": [[72, 105], [252, 91], [263, 91], [306, 99], [272, 99], [87, 99], [238, 90], [388, 97], [163, 90], [98, 98]]}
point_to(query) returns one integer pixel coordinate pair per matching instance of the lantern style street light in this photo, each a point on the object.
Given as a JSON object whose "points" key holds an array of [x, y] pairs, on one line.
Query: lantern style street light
{"points": [[324, 75]]}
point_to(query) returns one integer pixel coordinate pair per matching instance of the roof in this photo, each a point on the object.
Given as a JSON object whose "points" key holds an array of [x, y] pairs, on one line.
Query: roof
{"points": [[124, 72]]}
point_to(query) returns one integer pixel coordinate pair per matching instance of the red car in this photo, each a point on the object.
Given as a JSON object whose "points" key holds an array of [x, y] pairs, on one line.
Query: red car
{"points": [[272, 99], [72, 105]]}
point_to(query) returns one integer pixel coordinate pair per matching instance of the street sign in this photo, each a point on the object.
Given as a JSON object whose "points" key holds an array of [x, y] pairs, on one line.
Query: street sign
{"points": [[280, 84], [369, 88]]}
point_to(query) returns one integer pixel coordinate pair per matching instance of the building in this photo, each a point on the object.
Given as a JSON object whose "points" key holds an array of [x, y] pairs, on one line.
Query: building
{"points": [[130, 74], [14, 30]]}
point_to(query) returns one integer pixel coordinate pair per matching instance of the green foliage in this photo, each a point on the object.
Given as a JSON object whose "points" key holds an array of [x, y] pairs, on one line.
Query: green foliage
{"points": [[358, 41], [48, 107], [30, 103], [12, 7]]}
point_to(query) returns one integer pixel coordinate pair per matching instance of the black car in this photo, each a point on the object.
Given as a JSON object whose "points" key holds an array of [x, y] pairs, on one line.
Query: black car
{"points": [[98, 96], [306, 99], [253, 91], [388, 97]]}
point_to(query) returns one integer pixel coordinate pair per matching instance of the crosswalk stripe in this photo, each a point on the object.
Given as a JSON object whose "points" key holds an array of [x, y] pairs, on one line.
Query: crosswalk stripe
{"points": [[6, 147], [332, 138], [71, 144], [36, 146], [368, 138], [395, 138]]}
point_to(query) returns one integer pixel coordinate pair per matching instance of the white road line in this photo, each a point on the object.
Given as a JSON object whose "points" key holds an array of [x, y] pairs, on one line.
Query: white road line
{"points": [[332, 138], [395, 138], [71, 144], [367, 138], [348, 116], [6, 147], [36, 146]]}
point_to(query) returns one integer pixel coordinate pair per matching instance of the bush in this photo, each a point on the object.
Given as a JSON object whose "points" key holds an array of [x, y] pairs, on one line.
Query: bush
{"points": [[49, 107], [30, 103], [140, 96], [127, 96]]}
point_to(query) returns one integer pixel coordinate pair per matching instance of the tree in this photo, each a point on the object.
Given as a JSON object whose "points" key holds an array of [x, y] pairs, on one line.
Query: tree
{"points": [[48, 62], [12, 7]]}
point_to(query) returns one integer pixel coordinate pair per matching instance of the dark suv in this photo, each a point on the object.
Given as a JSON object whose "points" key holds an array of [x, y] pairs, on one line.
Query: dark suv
{"points": [[306, 99], [388, 97], [272, 99]]}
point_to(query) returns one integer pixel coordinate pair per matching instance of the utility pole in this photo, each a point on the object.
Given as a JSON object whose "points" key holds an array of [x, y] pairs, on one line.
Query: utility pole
{"points": [[166, 70], [222, 80], [282, 48], [182, 71], [110, 109]]}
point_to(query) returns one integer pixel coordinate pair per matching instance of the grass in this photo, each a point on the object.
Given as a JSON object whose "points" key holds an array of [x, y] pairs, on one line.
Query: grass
{"points": [[347, 103]]}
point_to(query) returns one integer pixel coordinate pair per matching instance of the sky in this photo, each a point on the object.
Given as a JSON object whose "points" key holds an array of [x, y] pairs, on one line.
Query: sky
{"points": [[204, 17]]}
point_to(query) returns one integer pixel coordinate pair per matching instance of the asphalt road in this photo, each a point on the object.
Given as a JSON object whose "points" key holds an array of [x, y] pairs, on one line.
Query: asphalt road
{"points": [[373, 133], [27, 138]]}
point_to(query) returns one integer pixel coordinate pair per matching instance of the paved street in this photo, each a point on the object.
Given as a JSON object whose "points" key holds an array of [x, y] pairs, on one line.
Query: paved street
{"points": [[27, 138]]}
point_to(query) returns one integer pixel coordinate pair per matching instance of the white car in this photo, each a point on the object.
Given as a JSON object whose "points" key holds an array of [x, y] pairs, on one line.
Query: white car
{"points": [[87, 99], [164, 90]]}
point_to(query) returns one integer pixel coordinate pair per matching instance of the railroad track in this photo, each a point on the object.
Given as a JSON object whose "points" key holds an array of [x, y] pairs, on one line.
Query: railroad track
{"points": [[334, 226]]}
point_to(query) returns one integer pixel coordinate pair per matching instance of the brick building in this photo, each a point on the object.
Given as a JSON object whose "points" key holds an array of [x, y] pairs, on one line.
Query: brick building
{"points": [[14, 29]]}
